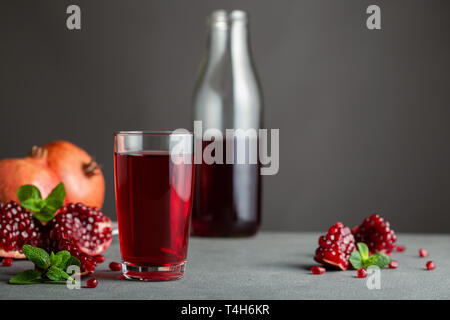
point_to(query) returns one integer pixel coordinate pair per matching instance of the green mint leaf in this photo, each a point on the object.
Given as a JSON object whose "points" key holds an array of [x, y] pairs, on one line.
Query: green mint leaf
{"points": [[37, 255], [363, 250], [27, 192], [56, 198], [34, 205], [56, 274], [370, 262], [380, 259], [72, 262], [55, 260], [45, 214], [53, 204], [26, 277], [355, 260], [65, 256], [44, 210]]}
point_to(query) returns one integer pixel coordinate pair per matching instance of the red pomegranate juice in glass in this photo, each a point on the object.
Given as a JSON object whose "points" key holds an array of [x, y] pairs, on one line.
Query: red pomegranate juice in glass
{"points": [[154, 199]]}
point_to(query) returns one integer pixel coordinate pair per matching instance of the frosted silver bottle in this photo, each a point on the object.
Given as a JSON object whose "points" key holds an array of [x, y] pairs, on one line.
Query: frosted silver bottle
{"points": [[227, 198]]}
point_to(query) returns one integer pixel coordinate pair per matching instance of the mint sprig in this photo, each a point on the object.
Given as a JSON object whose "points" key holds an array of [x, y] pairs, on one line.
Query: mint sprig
{"points": [[57, 274], [361, 258], [43, 209], [51, 267]]}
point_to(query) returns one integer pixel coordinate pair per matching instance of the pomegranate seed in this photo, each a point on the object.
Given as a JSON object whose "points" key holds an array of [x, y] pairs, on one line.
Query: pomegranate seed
{"points": [[430, 265], [317, 270], [100, 259], [92, 283], [115, 266], [393, 264], [7, 262], [400, 248], [361, 273], [423, 253]]}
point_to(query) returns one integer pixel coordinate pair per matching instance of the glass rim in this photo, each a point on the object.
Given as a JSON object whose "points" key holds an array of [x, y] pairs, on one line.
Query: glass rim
{"points": [[152, 132]]}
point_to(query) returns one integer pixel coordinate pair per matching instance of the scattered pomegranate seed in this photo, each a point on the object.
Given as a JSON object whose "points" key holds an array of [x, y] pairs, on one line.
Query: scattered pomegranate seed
{"points": [[115, 266], [100, 259], [400, 248], [393, 264], [361, 273], [317, 270], [7, 262], [430, 265], [423, 253], [92, 283]]}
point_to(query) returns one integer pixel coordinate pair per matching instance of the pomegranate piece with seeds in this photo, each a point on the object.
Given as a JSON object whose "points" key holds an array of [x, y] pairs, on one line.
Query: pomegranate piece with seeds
{"points": [[17, 227], [91, 283], [86, 226], [377, 234], [430, 265], [317, 270], [336, 247], [361, 273], [423, 253], [83, 231]]}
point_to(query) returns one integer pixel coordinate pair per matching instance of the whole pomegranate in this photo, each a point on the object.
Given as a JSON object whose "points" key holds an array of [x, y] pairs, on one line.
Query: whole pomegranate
{"points": [[80, 173], [30, 170]]}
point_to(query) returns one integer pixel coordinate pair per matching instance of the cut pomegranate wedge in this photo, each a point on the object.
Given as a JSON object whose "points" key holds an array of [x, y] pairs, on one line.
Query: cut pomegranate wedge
{"points": [[377, 234], [336, 247], [86, 226], [17, 227]]}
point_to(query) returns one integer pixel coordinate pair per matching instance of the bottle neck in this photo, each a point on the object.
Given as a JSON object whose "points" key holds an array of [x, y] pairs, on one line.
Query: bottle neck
{"points": [[228, 37]]}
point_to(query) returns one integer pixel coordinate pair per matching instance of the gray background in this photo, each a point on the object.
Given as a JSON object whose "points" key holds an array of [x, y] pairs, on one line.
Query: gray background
{"points": [[363, 115]]}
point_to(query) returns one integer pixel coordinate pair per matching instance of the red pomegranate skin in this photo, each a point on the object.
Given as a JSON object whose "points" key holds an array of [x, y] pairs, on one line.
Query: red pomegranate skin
{"points": [[17, 172], [71, 163]]}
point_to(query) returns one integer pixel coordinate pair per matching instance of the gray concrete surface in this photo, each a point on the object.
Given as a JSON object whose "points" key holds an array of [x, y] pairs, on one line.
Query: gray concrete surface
{"points": [[268, 266]]}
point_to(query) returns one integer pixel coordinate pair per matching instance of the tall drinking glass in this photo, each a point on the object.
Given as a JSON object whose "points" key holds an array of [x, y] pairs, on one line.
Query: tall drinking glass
{"points": [[154, 191]]}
